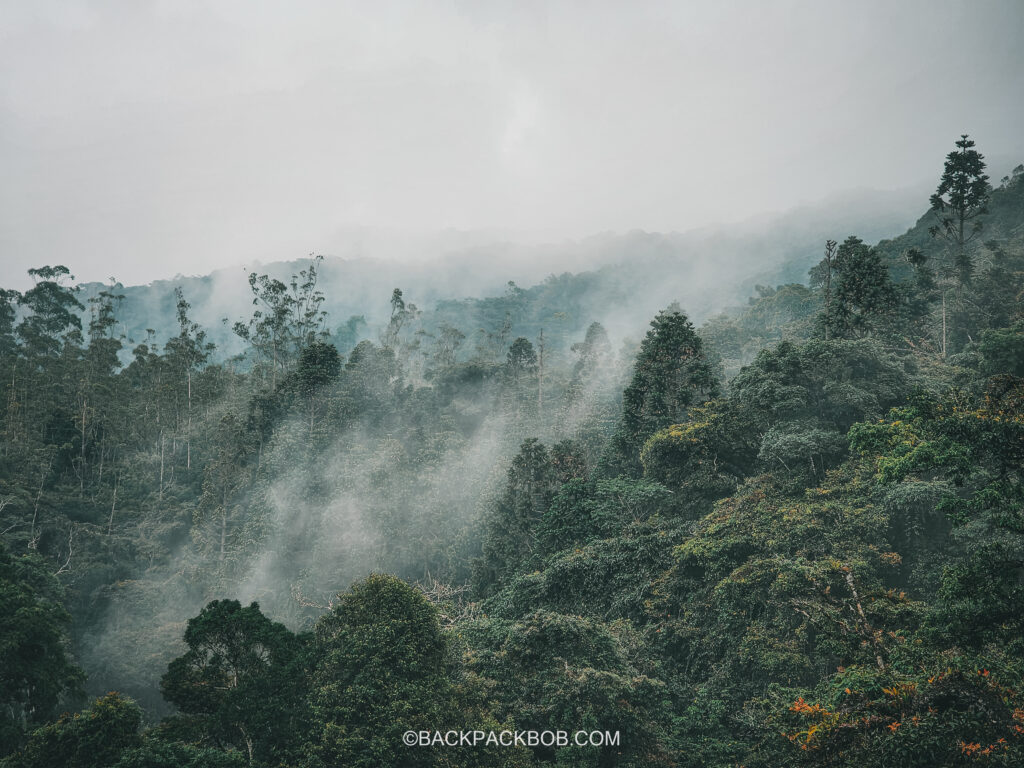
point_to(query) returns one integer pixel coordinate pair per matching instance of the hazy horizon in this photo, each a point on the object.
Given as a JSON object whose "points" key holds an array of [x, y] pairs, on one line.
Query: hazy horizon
{"points": [[163, 138]]}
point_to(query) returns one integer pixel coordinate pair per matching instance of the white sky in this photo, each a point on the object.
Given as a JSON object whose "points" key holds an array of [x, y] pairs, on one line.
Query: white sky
{"points": [[145, 138]]}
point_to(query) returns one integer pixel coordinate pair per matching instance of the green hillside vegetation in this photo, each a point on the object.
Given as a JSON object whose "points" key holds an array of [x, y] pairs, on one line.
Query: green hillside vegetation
{"points": [[790, 536]]}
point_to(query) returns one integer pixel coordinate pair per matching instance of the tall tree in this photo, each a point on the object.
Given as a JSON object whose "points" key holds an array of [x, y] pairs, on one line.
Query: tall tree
{"points": [[402, 316], [511, 536], [380, 672], [821, 276], [37, 676], [307, 300], [447, 345], [959, 203], [319, 365], [287, 318], [9, 301], [51, 310], [241, 683], [670, 375], [187, 353], [220, 516], [861, 299], [519, 378]]}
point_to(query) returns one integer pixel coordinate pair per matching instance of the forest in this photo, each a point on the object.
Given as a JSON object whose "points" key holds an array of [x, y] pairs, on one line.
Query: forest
{"points": [[791, 534]]}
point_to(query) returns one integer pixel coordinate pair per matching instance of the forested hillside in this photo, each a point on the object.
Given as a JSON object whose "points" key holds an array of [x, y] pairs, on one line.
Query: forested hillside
{"points": [[789, 535], [463, 278]]}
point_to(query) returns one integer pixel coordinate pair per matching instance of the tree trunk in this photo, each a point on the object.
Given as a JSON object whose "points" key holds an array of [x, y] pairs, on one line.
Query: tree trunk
{"points": [[113, 505], [81, 476], [864, 620], [943, 324], [160, 488], [830, 260], [540, 375], [188, 427]]}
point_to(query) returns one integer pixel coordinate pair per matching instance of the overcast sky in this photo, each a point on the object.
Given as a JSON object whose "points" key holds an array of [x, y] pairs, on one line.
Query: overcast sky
{"points": [[145, 138]]}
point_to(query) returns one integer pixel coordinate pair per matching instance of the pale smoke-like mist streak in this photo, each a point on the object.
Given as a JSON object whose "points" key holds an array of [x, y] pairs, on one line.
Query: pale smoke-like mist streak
{"points": [[310, 548]]}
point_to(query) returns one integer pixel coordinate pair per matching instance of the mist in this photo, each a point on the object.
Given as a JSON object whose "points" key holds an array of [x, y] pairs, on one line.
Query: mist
{"points": [[154, 139]]}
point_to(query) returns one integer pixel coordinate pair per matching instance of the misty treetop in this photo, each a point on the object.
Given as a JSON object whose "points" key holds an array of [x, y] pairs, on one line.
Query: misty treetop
{"points": [[786, 532]]}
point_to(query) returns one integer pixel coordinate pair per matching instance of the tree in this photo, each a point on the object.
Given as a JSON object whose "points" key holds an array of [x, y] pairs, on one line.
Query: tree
{"points": [[51, 310], [705, 457], [380, 671], [511, 536], [591, 366], [309, 320], [187, 353], [37, 676], [287, 318], [401, 315], [860, 298], [346, 336], [219, 516], [447, 346], [9, 301], [519, 378], [96, 390], [94, 738], [821, 276], [104, 346], [670, 375], [593, 353], [589, 409], [549, 669], [1002, 351], [372, 375], [319, 365], [833, 384], [154, 753], [959, 203], [241, 684]]}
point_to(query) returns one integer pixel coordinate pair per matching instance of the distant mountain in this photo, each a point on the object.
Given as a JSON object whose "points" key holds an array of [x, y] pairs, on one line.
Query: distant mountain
{"points": [[622, 278]]}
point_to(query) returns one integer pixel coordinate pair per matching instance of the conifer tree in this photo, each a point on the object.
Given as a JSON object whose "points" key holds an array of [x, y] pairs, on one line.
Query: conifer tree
{"points": [[670, 375], [959, 203]]}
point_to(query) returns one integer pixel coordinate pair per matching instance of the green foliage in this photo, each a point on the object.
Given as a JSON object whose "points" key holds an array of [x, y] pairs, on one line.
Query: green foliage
{"points": [[669, 376], [584, 511], [288, 318], [609, 578], [860, 298], [552, 669], [380, 671], [960, 711], [222, 527], [520, 379], [962, 195], [93, 738], [1002, 351], [36, 676], [704, 458], [801, 452], [511, 528], [50, 310], [160, 754], [241, 684]]}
